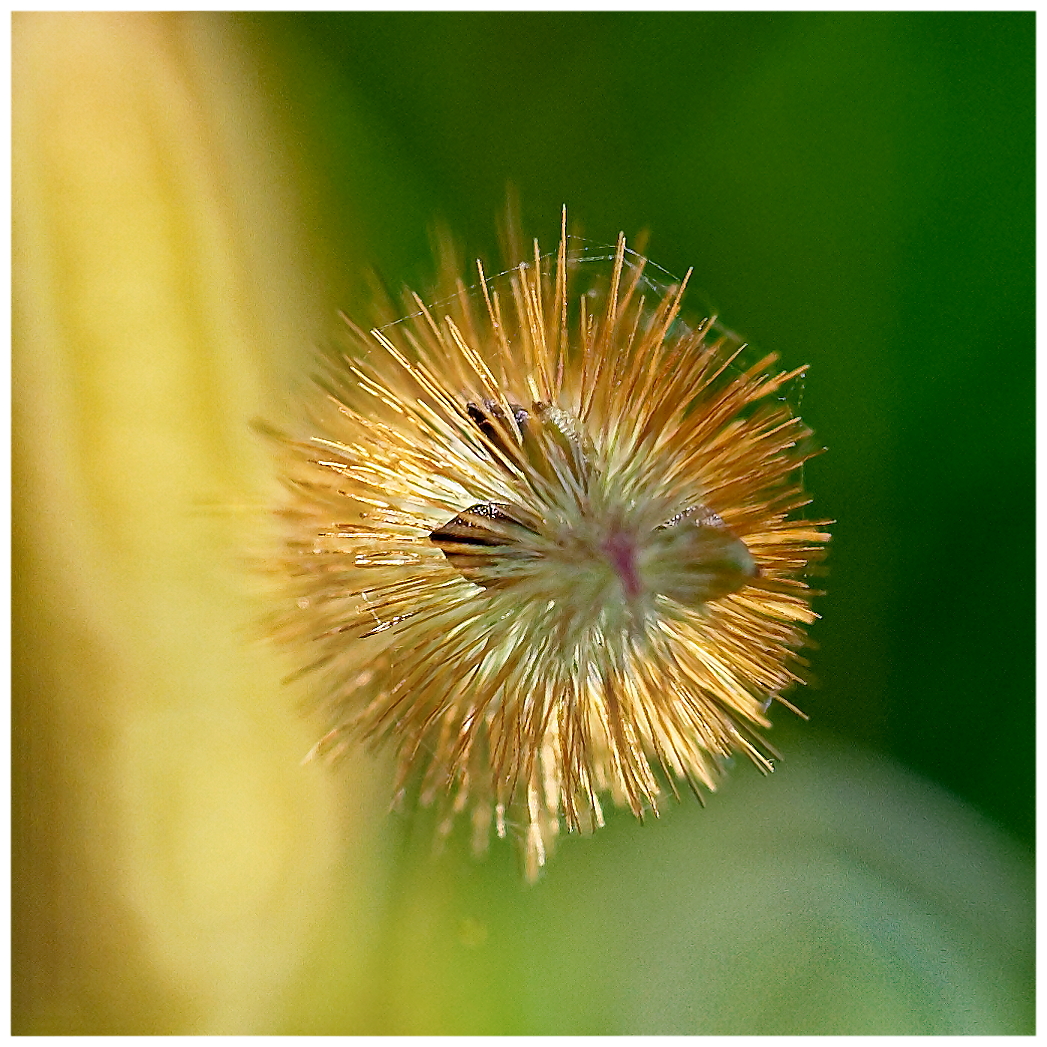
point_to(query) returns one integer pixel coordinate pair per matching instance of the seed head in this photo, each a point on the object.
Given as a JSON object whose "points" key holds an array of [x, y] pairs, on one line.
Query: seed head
{"points": [[539, 541]]}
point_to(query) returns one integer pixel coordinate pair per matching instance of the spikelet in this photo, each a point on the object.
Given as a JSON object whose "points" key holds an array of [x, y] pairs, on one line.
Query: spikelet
{"points": [[539, 540]]}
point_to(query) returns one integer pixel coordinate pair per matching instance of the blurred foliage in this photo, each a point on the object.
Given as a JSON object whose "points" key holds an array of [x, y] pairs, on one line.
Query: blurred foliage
{"points": [[853, 191]]}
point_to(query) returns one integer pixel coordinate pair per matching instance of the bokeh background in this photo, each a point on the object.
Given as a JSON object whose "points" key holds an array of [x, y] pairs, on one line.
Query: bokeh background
{"points": [[854, 191]]}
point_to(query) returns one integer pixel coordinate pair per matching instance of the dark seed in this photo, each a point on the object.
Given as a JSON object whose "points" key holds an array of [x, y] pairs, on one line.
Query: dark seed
{"points": [[480, 540], [490, 420]]}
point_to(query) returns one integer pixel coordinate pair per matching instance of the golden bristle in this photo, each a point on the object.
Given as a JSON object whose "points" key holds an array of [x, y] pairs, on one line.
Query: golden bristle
{"points": [[540, 541]]}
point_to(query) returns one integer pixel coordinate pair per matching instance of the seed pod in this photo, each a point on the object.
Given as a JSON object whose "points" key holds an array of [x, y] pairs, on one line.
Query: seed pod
{"points": [[567, 566]]}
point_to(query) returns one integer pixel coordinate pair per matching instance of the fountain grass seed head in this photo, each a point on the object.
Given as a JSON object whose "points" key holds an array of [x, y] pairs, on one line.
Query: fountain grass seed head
{"points": [[540, 539]]}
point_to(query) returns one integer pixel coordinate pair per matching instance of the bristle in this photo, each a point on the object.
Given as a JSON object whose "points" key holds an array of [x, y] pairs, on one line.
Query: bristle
{"points": [[540, 542]]}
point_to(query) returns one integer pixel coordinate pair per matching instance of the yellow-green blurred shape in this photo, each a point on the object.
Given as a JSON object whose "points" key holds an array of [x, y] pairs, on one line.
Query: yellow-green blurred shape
{"points": [[838, 896], [173, 863]]}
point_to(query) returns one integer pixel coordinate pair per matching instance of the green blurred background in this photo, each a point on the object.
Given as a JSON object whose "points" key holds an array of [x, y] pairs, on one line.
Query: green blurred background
{"points": [[854, 191]]}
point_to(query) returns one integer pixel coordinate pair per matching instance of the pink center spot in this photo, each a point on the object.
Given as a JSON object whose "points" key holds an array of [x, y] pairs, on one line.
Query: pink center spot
{"points": [[621, 552]]}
